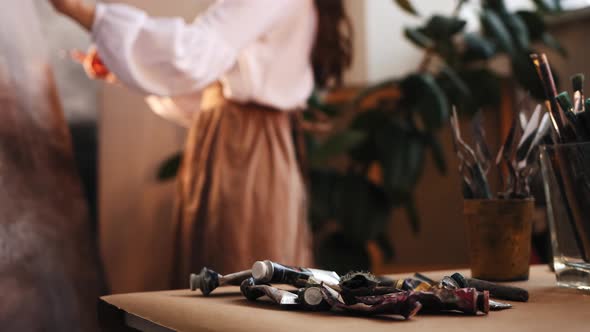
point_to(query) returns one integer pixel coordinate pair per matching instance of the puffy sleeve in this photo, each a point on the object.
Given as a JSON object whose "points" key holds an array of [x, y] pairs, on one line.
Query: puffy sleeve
{"points": [[168, 57]]}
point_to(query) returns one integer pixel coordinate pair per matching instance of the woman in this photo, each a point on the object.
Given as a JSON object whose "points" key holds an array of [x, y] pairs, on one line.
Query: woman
{"points": [[241, 196]]}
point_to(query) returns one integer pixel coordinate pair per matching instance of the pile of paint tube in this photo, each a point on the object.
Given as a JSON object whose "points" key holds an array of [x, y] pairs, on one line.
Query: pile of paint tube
{"points": [[360, 292]]}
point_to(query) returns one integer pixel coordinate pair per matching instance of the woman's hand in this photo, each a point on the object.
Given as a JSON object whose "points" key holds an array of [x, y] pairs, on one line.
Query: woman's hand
{"points": [[78, 10], [93, 65]]}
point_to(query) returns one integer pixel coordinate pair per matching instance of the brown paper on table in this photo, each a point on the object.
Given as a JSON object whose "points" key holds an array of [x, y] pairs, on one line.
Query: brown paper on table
{"points": [[550, 309]]}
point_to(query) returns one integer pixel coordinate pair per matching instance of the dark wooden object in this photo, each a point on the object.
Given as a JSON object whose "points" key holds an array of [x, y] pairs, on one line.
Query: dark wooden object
{"points": [[48, 257]]}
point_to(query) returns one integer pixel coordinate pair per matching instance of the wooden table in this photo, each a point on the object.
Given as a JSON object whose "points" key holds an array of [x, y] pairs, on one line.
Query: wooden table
{"points": [[549, 309]]}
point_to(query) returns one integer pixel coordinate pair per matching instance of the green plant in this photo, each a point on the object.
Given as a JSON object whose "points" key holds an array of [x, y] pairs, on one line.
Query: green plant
{"points": [[393, 125]]}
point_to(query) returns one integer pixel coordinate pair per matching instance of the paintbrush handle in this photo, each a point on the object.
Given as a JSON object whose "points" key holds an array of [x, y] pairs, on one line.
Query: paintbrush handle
{"points": [[497, 291], [564, 132]]}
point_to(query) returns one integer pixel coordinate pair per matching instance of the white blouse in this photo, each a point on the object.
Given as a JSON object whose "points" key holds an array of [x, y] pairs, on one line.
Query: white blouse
{"points": [[258, 49]]}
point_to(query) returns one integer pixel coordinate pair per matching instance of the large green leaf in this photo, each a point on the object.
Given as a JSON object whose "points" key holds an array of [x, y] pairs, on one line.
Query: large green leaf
{"points": [[336, 145], [402, 157], [342, 254], [485, 87], [477, 48], [497, 5], [443, 27], [316, 102], [534, 23], [385, 245], [413, 214], [548, 6], [418, 38], [169, 168], [322, 206], [538, 30], [526, 75], [391, 148], [495, 28], [438, 153], [456, 82], [407, 6], [369, 122], [518, 30], [455, 94], [550, 41], [374, 89], [414, 163], [401, 154], [362, 207], [424, 96]]}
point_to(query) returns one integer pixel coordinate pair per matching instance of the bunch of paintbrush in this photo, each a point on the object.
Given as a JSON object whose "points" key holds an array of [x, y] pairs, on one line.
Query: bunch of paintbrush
{"points": [[518, 155], [473, 164], [570, 161], [571, 121], [578, 119]]}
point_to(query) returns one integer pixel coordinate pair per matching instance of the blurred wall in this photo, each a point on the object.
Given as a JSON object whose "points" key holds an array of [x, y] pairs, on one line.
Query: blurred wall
{"points": [[133, 143], [572, 32]]}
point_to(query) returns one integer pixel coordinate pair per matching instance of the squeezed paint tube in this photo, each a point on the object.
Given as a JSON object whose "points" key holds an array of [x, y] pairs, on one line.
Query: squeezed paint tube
{"points": [[271, 272], [208, 280], [358, 284], [457, 281], [412, 284], [400, 304], [421, 282], [466, 300], [253, 291], [313, 299]]}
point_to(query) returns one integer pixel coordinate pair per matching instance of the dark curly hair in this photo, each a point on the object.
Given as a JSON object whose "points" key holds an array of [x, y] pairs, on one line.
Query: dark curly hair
{"points": [[333, 49]]}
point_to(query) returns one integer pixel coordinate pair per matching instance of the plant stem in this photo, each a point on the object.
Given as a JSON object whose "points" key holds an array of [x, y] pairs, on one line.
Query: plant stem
{"points": [[428, 56]]}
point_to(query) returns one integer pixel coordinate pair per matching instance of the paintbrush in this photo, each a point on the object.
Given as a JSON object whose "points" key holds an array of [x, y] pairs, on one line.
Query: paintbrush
{"points": [[541, 133], [578, 85], [481, 147], [529, 134], [506, 157], [585, 116], [574, 120], [563, 134], [475, 184], [548, 83]]}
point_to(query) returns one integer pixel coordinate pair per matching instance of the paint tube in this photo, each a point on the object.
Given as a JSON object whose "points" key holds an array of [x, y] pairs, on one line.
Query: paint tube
{"points": [[399, 304], [271, 272], [253, 291], [503, 292], [208, 280], [312, 299]]}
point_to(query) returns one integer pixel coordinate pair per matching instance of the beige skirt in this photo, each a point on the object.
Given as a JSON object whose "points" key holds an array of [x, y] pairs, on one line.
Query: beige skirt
{"points": [[241, 195]]}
